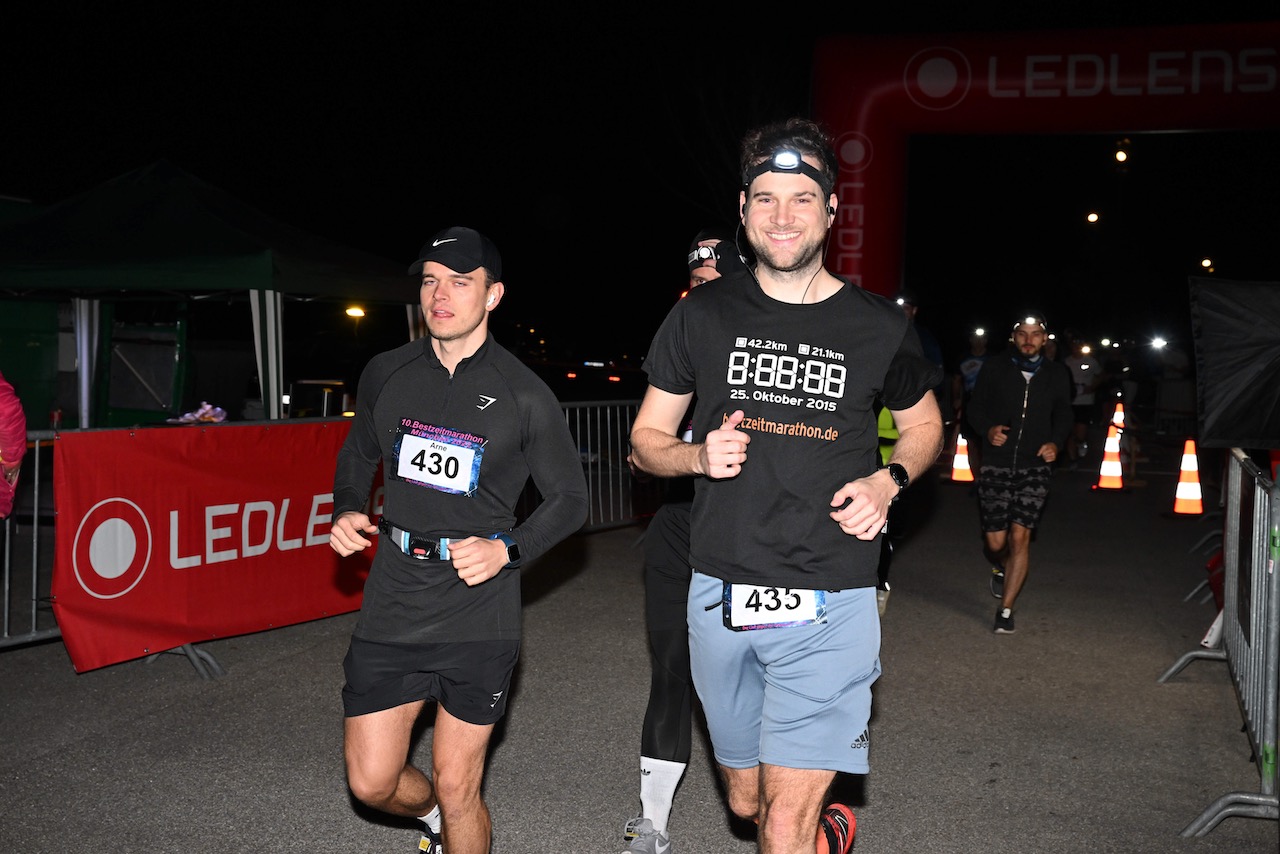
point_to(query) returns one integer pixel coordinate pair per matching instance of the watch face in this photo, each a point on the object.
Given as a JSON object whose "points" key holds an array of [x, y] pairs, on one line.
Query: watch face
{"points": [[899, 475]]}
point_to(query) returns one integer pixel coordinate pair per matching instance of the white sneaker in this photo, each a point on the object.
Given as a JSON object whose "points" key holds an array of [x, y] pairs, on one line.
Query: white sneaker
{"points": [[647, 840]]}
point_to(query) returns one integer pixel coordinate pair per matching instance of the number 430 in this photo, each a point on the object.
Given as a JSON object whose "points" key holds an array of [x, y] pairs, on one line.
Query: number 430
{"points": [[435, 463]]}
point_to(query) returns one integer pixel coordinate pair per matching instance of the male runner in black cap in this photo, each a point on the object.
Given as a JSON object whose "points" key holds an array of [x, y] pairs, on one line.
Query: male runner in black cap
{"points": [[459, 425]]}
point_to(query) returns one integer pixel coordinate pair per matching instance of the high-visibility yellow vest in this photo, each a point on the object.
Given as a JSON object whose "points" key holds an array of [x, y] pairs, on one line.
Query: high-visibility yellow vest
{"points": [[888, 433]]}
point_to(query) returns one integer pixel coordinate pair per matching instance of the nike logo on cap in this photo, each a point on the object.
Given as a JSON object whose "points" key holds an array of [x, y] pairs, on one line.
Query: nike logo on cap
{"points": [[435, 243]]}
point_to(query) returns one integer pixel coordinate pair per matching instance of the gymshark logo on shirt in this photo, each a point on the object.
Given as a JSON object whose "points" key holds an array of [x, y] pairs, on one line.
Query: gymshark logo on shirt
{"points": [[444, 240], [496, 698], [862, 742], [485, 400]]}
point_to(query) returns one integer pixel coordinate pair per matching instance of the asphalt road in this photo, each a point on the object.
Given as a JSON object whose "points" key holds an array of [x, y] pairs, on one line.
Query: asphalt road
{"points": [[1057, 738]]}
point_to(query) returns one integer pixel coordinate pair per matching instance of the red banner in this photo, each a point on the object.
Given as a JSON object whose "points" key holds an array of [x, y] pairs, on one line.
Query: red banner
{"points": [[875, 91], [175, 535]]}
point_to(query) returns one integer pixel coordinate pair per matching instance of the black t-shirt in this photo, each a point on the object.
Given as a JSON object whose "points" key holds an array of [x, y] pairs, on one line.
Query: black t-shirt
{"points": [[807, 378]]}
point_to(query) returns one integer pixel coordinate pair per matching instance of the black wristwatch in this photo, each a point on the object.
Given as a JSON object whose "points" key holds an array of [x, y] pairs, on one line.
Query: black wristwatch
{"points": [[513, 550], [899, 474]]}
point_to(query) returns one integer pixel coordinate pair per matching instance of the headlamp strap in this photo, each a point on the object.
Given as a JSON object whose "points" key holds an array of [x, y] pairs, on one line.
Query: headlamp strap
{"points": [[787, 161]]}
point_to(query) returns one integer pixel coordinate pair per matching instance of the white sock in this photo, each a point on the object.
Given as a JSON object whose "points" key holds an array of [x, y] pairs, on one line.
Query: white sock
{"points": [[432, 819], [658, 781]]}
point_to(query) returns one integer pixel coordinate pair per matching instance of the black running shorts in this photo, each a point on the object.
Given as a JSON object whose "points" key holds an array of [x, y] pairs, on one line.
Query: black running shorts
{"points": [[470, 679], [1012, 495]]}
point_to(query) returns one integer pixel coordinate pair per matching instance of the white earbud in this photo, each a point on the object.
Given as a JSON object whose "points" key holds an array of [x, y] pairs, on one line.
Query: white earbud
{"points": [[490, 302]]}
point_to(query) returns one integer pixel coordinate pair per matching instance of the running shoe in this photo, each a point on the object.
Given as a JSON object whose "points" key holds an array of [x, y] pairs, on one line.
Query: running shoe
{"points": [[1004, 621], [838, 826], [997, 581], [630, 829], [430, 842], [646, 839], [882, 597]]}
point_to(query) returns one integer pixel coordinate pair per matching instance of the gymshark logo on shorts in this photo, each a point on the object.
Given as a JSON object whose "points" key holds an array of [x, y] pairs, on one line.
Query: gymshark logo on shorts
{"points": [[444, 240], [496, 698], [485, 400], [862, 742]]}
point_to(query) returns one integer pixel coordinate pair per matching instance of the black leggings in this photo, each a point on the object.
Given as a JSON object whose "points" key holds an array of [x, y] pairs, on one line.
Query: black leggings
{"points": [[667, 719]]}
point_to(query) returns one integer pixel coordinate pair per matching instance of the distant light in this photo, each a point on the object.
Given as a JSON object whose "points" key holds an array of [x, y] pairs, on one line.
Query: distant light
{"points": [[1085, 348], [355, 311], [614, 378], [1207, 263], [1159, 343], [593, 364], [1105, 342], [350, 413], [1092, 217], [1122, 149], [571, 375], [284, 398], [980, 332]]}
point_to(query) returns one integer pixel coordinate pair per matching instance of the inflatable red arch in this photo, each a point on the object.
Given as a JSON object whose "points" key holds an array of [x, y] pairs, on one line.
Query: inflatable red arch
{"points": [[875, 92]]}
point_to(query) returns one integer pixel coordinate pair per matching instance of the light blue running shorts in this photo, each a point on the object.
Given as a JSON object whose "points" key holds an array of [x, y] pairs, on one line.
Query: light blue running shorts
{"points": [[797, 696]]}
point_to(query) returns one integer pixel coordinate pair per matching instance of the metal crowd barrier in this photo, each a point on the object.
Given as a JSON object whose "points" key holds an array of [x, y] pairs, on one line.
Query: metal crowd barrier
{"points": [[1250, 641], [601, 429], [26, 550]]}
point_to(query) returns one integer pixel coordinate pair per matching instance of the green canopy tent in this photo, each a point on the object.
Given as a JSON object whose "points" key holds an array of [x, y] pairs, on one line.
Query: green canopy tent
{"points": [[161, 233]]}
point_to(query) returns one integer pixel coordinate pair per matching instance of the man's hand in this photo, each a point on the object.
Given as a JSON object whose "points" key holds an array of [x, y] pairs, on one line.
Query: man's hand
{"points": [[725, 449], [1048, 452], [347, 534], [867, 510], [477, 559], [998, 435]]}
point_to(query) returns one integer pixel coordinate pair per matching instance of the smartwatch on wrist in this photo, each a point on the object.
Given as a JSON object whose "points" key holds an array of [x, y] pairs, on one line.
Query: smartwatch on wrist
{"points": [[513, 550], [899, 474]]}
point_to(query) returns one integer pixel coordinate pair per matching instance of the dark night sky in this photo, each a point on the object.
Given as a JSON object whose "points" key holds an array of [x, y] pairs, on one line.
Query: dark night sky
{"points": [[591, 150]]}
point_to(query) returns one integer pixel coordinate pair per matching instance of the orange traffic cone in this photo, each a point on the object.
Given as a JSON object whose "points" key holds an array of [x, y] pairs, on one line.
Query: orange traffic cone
{"points": [[1187, 498], [960, 471], [1118, 418], [1111, 474]]}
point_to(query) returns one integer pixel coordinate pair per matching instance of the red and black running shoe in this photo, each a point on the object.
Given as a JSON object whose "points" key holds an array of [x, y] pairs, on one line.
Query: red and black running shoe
{"points": [[837, 826]]}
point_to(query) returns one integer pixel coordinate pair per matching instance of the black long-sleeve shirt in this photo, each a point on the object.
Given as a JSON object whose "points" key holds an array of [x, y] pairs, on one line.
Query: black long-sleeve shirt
{"points": [[456, 452]]}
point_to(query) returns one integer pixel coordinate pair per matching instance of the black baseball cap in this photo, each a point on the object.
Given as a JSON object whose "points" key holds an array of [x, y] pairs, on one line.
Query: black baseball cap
{"points": [[461, 250]]}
